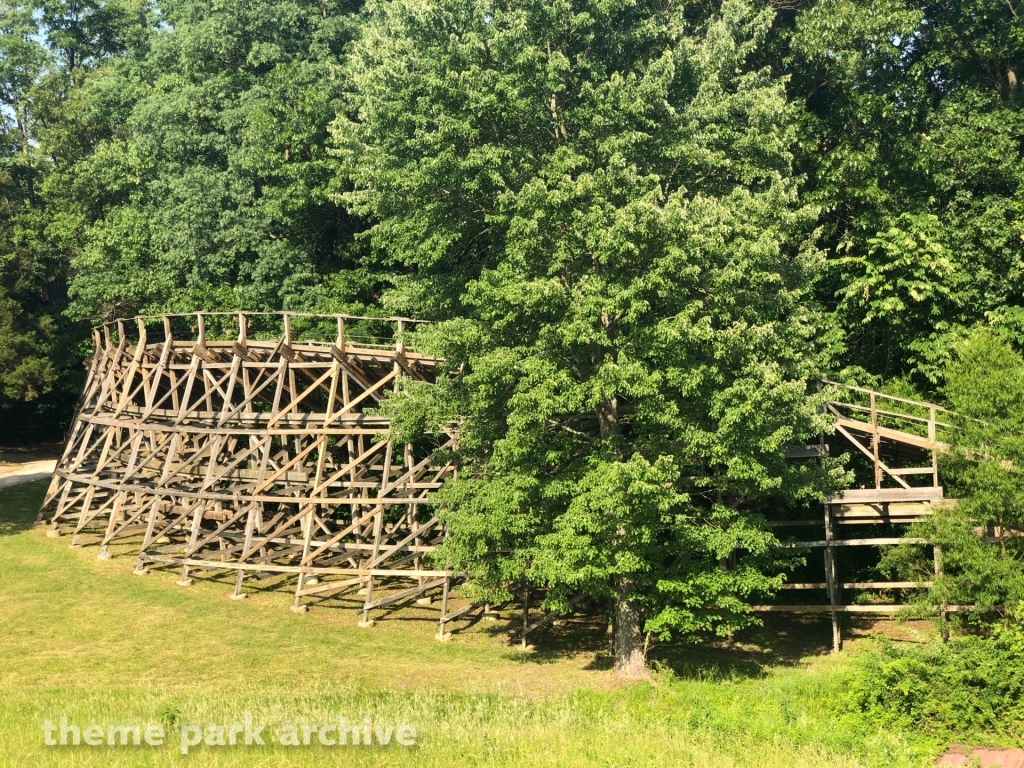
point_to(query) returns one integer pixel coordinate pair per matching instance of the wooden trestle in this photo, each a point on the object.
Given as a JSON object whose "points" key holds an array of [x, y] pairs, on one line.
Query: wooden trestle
{"points": [[236, 442], [899, 439], [244, 442]]}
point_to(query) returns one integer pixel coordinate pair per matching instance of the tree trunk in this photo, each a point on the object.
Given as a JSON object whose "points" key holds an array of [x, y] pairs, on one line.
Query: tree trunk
{"points": [[629, 647]]}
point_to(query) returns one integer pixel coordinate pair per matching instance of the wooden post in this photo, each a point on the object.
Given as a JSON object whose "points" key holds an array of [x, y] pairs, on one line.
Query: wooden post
{"points": [[442, 634], [934, 448], [526, 609], [832, 582], [874, 442], [943, 613]]}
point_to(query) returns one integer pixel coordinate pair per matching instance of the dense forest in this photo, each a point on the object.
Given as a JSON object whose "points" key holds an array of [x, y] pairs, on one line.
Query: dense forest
{"points": [[183, 155], [641, 229]]}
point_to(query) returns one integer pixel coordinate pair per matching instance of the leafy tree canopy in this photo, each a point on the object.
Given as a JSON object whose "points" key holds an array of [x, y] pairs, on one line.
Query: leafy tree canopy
{"points": [[641, 228], [911, 141], [597, 203], [203, 182]]}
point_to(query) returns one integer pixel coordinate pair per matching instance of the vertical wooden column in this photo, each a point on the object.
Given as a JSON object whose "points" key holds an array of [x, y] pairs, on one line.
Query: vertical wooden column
{"points": [[314, 510], [78, 427], [832, 581], [526, 609], [172, 376], [147, 537], [442, 634], [197, 519], [250, 526], [378, 526], [935, 451], [831, 571], [874, 442], [943, 613], [293, 389]]}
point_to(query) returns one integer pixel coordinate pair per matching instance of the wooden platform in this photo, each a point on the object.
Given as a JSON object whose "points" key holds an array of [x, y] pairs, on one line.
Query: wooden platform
{"points": [[892, 433]]}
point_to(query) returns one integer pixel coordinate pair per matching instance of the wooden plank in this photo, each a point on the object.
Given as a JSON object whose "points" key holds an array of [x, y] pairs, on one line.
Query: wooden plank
{"points": [[862, 585], [892, 434], [876, 542], [881, 495], [877, 463], [916, 403], [460, 612], [328, 586], [392, 598], [890, 509], [311, 570]]}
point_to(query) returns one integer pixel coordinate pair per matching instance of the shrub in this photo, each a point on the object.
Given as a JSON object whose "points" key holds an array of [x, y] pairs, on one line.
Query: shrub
{"points": [[972, 685]]}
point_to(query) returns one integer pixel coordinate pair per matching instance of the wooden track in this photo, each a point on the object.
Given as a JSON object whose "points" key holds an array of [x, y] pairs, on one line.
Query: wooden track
{"points": [[238, 443], [899, 438], [246, 443]]}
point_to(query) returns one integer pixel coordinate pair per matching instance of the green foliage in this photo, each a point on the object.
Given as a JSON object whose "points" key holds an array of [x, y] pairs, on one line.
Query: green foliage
{"points": [[25, 371], [1010, 633], [970, 688], [596, 203], [910, 139], [39, 359], [204, 184], [165, 156], [626, 218], [980, 539]]}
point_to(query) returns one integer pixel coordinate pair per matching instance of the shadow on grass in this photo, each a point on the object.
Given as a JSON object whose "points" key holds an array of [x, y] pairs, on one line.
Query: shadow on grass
{"points": [[782, 641], [19, 505]]}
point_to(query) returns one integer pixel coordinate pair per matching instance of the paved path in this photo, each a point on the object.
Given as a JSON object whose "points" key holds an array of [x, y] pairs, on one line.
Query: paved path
{"points": [[961, 755], [12, 474]]}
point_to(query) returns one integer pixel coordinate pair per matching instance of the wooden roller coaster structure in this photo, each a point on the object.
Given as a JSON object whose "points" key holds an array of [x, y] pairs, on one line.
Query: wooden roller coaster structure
{"points": [[245, 442], [235, 442], [897, 441]]}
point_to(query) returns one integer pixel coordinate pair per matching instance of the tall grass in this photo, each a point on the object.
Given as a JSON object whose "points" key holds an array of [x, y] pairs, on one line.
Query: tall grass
{"points": [[88, 641]]}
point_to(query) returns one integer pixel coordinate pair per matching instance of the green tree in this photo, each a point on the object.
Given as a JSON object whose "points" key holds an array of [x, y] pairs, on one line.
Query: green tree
{"points": [[596, 202], [910, 139], [981, 539], [193, 168], [37, 357]]}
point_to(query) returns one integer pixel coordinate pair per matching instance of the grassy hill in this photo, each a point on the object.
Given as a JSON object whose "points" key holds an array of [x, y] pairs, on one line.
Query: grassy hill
{"points": [[87, 640]]}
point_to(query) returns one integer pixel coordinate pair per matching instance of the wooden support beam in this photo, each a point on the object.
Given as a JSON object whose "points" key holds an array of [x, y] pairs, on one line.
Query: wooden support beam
{"points": [[240, 454], [246, 446]]}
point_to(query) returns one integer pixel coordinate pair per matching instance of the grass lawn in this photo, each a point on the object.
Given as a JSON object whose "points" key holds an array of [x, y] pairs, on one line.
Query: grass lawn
{"points": [[87, 640]]}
